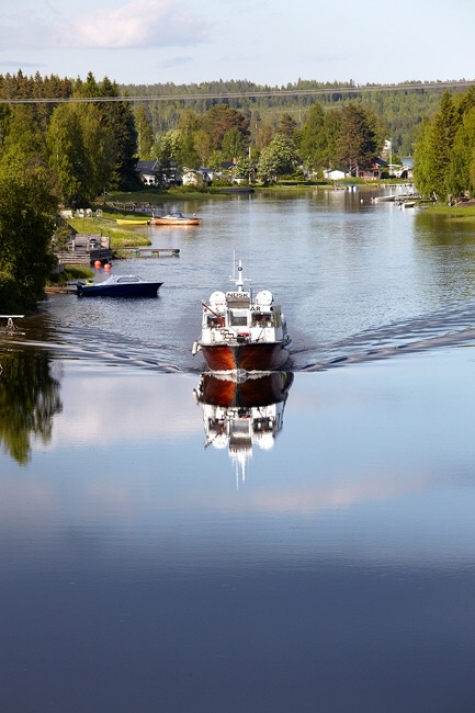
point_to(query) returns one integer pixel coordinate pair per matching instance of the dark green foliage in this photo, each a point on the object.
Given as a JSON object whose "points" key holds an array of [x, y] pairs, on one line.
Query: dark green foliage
{"points": [[27, 211], [220, 120], [402, 108], [357, 142], [445, 149], [89, 146]]}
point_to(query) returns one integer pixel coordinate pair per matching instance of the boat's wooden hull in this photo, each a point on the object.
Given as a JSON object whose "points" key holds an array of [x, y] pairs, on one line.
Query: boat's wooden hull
{"points": [[255, 356], [263, 390]]}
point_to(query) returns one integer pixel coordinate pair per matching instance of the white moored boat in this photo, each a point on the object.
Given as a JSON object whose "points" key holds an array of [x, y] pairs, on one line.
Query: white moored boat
{"points": [[239, 332]]}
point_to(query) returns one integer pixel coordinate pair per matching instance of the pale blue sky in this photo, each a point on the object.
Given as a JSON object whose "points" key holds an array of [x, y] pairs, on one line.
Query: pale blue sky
{"points": [[272, 42]]}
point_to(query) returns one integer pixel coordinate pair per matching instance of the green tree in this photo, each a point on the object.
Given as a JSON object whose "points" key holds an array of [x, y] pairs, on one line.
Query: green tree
{"points": [[357, 143], [23, 136], [287, 126], [68, 157], [313, 139], [144, 133], [421, 170], [168, 148], [220, 119], [202, 145], [436, 166], [117, 119], [189, 125], [233, 144], [277, 159], [27, 216], [332, 133]]}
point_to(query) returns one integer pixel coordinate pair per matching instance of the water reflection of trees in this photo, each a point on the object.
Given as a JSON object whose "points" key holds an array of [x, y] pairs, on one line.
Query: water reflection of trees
{"points": [[29, 398]]}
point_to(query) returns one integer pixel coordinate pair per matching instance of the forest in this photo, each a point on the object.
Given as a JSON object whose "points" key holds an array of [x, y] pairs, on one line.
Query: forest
{"points": [[70, 141]]}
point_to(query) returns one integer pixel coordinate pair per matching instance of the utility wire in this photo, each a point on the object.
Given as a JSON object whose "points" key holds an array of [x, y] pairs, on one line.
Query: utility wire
{"points": [[427, 86]]}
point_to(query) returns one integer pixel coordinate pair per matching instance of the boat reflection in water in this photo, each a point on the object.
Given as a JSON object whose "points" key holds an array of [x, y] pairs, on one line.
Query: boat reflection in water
{"points": [[243, 411]]}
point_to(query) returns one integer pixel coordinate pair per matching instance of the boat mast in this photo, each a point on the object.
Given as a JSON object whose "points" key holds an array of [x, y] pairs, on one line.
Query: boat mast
{"points": [[239, 281]]}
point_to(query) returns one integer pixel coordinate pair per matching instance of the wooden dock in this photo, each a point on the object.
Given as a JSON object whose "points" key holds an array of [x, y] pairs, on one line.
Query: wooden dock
{"points": [[10, 324], [85, 250], [150, 252]]}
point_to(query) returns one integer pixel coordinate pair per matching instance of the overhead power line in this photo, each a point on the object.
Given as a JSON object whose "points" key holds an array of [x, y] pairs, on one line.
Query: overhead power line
{"points": [[249, 94]]}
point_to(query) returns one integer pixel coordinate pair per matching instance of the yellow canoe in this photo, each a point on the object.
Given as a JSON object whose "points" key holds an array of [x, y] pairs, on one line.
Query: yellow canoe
{"points": [[132, 221]]}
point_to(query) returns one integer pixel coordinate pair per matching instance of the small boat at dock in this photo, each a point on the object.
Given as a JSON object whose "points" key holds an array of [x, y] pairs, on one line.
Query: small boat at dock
{"points": [[119, 286], [384, 199], [132, 221], [243, 334], [176, 219]]}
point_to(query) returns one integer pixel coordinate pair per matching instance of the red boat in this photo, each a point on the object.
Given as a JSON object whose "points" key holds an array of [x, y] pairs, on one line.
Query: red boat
{"points": [[239, 332]]}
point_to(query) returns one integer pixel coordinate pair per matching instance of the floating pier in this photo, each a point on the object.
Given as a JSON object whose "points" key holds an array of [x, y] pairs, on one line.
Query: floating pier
{"points": [[151, 252]]}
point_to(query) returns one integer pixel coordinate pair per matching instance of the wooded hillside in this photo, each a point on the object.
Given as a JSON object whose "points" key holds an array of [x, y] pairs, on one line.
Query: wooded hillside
{"points": [[402, 106]]}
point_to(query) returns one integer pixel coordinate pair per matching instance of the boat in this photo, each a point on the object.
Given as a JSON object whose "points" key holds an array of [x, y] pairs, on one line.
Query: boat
{"points": [[384, 199], [176, 219], [119, 286], [240, 333], [132, 221]]}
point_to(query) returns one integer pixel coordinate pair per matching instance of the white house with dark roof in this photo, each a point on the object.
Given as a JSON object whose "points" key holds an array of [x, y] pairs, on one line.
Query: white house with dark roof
{"points": [[149, 172]]}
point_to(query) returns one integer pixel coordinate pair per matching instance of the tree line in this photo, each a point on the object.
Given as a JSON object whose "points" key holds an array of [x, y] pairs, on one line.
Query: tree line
{"points": [[52, 152], [402, 106], [64, 140], [445, 149]]}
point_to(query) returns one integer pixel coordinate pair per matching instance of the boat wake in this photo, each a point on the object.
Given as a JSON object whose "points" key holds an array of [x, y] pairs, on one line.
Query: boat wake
{"points": [[449, 327]]}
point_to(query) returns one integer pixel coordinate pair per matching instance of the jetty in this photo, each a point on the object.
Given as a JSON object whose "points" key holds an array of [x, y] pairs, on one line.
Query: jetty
{"points": [[85, 250], [10, 325], [149, 252]]}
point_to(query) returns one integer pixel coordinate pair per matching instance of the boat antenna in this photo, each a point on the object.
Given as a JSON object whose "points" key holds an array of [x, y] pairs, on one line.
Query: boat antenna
{"points": [[233, 276], [239, 279]]}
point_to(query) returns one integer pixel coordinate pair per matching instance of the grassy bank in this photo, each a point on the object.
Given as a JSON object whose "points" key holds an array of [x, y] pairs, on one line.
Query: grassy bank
{"points": [[120, 236], [460, 210]]}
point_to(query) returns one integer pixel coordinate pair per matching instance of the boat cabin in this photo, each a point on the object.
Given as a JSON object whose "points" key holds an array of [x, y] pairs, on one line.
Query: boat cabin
{"points": [[236, 313]]}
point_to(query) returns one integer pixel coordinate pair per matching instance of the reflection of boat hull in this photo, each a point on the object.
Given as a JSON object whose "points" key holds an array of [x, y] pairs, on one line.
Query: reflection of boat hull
{"points": [[263, 390], [249, 356]]}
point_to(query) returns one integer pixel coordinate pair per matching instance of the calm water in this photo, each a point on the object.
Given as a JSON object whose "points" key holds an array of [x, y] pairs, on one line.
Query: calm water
{"points": [[152, 561]]}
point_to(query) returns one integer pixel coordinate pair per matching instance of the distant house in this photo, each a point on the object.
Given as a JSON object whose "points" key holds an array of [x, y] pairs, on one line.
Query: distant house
{"points": [[208, 174], [334, 174], [368, 174], [191, 177], [149, 172]]}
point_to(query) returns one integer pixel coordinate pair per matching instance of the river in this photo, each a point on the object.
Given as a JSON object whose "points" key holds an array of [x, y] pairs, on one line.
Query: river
{"points": [[314, 552]]}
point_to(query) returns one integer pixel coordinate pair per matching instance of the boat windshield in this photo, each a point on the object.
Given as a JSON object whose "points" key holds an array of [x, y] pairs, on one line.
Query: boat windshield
{"points": [[237, 318]]}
